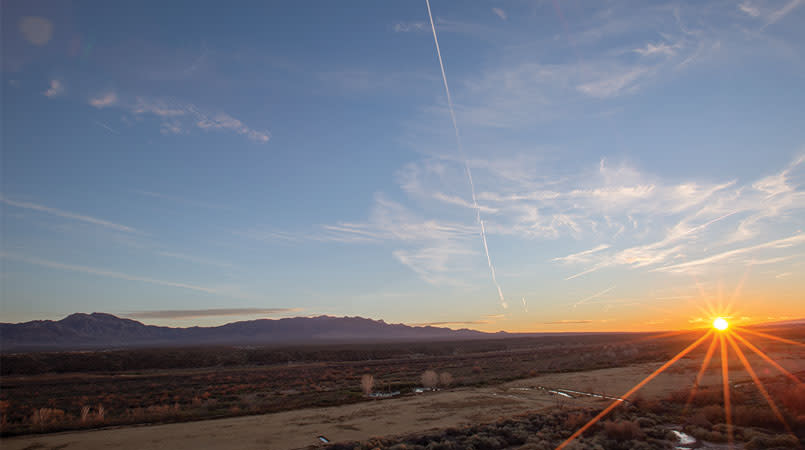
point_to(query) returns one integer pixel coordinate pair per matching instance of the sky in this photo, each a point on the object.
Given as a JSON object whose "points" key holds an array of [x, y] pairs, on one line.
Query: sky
{"points": [[621, 165]]}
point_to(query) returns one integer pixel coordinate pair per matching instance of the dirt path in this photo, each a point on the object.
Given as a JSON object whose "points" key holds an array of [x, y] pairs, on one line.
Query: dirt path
{"points": [[410, 414]]}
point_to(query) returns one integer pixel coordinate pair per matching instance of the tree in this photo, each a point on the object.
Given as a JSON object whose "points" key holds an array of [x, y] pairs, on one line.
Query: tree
{"points": [[430, 379], [367, 383], [445, 379]]}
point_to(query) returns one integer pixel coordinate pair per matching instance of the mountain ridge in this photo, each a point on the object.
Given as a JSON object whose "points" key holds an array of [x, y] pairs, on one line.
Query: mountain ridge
{"points": [[98, 330]]}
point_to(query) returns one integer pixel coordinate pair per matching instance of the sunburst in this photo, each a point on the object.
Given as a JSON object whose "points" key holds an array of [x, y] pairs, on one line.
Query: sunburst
{"points": [[722, 337]]}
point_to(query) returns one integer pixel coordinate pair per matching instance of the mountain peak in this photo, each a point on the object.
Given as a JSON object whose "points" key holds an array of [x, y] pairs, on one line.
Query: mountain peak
{"points": [[82, 330]]}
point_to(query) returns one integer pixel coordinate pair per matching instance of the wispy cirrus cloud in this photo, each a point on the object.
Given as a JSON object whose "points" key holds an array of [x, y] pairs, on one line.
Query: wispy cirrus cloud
{"points": [[569, 322], [176, 117], [768, 13], [407, 27], [798, 239], [104, 273], [67, 215], [500, 13], [594, 296], [212, 312], [450, 323], [194, 259], [180, 200], [661, 48], [104, 100]]}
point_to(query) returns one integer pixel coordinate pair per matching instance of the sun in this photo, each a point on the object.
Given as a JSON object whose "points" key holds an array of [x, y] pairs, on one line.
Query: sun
{"points": [[720, 324]]}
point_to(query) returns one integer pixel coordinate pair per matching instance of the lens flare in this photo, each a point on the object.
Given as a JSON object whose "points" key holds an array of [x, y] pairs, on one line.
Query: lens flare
{"points": [[720, 324]]}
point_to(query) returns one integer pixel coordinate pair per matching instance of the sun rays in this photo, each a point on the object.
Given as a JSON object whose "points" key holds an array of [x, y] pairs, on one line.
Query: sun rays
{"points": [[727, 340]]}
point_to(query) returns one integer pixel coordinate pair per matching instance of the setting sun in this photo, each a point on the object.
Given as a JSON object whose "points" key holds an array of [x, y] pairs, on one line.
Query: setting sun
{"points": [[720, 324]]}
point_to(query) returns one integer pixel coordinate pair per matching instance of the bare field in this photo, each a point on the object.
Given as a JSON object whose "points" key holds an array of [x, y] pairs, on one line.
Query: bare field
{"points": [[405, 415]]}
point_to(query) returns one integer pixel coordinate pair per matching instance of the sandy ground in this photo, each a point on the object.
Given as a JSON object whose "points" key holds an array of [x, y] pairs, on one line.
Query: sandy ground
{"points": [[409, 414]]}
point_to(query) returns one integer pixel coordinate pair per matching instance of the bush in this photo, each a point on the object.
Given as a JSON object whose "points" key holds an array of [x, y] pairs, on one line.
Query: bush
{"points": [[780, 441], [623, 431]]}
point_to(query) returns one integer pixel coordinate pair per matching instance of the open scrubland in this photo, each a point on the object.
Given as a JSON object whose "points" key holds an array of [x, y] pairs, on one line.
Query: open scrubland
{"points": [[511, 393]]}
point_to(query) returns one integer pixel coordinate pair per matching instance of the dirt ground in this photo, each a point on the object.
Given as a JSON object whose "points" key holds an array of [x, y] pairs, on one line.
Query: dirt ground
{"points": [[408, 414]]}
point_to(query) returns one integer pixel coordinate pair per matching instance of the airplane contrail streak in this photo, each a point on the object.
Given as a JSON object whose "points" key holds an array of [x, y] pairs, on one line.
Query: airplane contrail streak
{"points": [[466, 163]]}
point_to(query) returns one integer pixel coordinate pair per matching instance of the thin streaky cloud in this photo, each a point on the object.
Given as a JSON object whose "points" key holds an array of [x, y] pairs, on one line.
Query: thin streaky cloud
{"points": [[779, 243], [104, 100], [594, 296], [582, 273], [579, 255], [749, 9], [213, 312], [448, 324], [105, 126], [405, 27], [103, 273], [568, 322], [500, 13], [182, 200], [194, 259], [67, 215], [776, 16]]}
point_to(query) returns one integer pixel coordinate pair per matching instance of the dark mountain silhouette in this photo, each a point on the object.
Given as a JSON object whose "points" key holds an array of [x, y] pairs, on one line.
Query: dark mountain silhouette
{"points": [[100, 330]]}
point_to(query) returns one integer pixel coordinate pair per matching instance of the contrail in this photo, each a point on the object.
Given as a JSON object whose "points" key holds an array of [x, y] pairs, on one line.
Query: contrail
{"points": [[464, 157]]}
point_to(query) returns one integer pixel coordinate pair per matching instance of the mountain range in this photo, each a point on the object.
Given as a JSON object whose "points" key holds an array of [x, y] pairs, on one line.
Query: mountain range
{"points": [[101, 330]]}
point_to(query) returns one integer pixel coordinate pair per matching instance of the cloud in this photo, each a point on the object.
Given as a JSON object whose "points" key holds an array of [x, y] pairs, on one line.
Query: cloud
{"points": [[181, 200], [67, 215], [777, 15], [791, 241], [106, 127], [406, 27], [36, 30], [450, 324], [178, 118], [104, 100], [194, 259], [749, 9], [222, 121], [615, 84], [219, 312], [56, 89], [104, 273], [594, 296], [432, 248], [500, 13], [656, 49], [581, 256], [568, 322]]}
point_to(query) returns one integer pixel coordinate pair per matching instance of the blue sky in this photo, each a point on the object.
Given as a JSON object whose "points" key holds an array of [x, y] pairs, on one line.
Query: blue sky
{"points": [[200, 163]]}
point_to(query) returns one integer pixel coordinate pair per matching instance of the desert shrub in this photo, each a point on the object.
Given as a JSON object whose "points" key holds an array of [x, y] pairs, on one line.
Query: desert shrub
{"points": [[780, 441], [445, 379], [713, 413], [576, 420], [698, 419], [486, 442], [706, 397], [757, 416], [794, 399], [430, 379], [367, 384], [625, 430]]}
